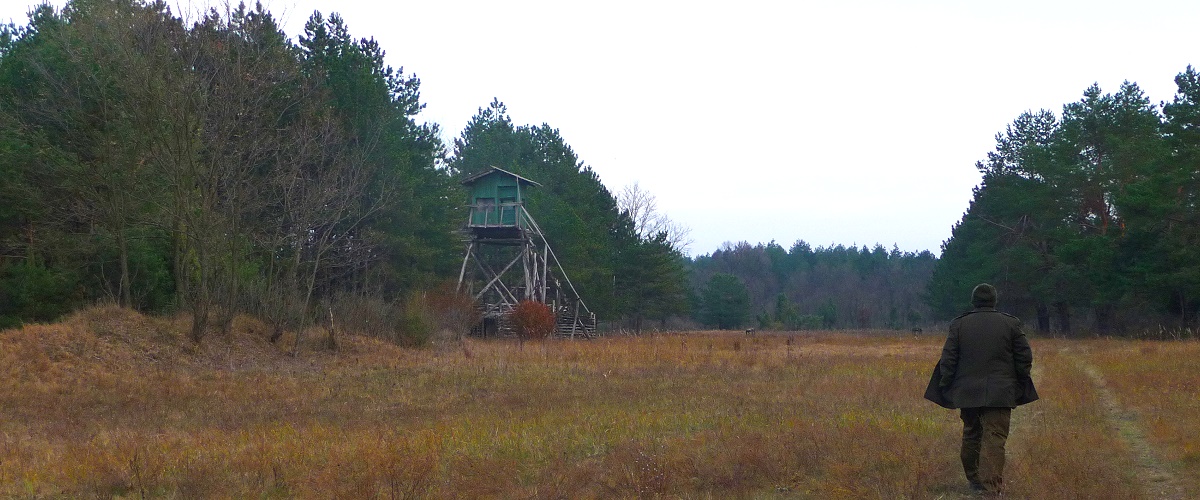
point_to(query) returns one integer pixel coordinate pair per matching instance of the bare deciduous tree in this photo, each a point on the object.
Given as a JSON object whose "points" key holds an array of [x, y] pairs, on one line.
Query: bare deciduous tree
{"points": [[642, 207]]}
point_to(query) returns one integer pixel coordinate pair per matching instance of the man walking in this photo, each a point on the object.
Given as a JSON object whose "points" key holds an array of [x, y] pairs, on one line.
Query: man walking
{"points": [[984, 371]]}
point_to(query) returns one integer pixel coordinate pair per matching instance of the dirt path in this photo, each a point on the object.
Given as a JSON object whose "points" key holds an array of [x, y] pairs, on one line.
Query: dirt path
{"points": [[1157, 479]]}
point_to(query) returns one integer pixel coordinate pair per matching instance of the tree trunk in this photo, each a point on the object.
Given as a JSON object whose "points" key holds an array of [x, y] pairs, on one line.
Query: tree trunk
{"points": [[331, 343], [177, 256], [199, 319], [233, 288], [1063, 311], [1043, 318], [200, 301], [1187, 315], [123, 255], [1104, 318], [304, 306]]}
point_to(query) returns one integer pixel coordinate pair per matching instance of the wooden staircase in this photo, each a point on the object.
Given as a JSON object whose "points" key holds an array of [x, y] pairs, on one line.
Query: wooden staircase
{"points": [[573, 323]]}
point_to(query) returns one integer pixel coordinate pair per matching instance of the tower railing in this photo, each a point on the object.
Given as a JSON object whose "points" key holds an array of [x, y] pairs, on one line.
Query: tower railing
{"points": [[508, 214]]}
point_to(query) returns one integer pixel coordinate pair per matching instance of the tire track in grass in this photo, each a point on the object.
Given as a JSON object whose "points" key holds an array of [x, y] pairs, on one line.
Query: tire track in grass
{"points": [[1156, 478]]}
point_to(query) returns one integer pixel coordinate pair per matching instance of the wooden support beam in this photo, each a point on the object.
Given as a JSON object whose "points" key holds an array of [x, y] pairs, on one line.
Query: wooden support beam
{"points": [[462, 272], [496, 279]]}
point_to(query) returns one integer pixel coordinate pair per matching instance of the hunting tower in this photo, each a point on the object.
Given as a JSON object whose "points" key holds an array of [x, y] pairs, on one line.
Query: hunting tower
{"points": [[508, 259]]}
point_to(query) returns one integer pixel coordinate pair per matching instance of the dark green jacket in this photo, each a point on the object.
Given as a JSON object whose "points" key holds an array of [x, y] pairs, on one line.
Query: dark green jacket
{"points": [[985, 363]]}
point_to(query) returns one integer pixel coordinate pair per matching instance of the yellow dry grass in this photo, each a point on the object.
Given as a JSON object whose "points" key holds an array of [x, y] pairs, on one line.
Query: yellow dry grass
{"points": [[1160, 382], [110, 403]]}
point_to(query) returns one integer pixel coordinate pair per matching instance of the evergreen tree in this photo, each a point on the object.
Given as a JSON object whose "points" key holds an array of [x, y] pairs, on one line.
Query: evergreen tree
{"points": [[77, 141], [219, 161], [1009, 234], [1176, 213], [651, 280], [577, 214], [1071, 216], [726, 302], [409, 208], [865, 285]]}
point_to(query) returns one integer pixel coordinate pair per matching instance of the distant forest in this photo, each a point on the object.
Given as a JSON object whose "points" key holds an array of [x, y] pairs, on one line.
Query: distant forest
{"points": [[812, 288], [219, 168]]}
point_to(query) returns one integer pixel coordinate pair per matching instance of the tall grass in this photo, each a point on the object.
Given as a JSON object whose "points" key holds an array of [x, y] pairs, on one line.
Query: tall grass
{"points": [[1160, 381], [1063, 446], [112, 403]]}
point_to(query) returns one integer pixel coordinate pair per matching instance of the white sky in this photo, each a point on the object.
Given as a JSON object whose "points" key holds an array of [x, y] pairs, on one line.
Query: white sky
{"points": [[851, 122]]}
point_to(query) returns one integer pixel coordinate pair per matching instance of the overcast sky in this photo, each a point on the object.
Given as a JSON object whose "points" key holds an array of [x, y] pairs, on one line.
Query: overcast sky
{"points": [[849, 122]]}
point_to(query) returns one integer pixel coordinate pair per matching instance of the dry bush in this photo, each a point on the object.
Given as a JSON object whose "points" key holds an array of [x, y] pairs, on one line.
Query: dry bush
{"points": [[422, 318], [532, 320], [418, 321], [455, 312], [367, 315], [438, 315]]}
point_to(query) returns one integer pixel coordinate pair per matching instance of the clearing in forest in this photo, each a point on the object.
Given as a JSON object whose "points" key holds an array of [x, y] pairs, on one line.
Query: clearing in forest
{"points": [[112, 403]]}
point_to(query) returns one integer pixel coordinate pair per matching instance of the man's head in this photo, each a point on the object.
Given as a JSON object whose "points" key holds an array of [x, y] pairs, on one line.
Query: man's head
{"points": [[984, 295]]}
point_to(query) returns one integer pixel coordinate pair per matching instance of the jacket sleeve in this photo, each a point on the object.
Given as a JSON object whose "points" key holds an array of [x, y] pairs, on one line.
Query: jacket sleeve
{"points": [[1022, 354], [949, 360]]}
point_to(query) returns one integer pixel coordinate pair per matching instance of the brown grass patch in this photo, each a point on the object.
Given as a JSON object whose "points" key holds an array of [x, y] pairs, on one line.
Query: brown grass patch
{"points": [[110, 403], [1160, 382]]}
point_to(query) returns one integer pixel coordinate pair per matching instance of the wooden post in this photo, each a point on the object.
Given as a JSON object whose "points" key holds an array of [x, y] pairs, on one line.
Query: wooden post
{"points": [[463, 271], [545, 273]]}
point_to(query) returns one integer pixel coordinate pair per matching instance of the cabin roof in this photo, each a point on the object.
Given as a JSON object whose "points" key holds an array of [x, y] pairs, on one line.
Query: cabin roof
{"points": [[490, 170]]}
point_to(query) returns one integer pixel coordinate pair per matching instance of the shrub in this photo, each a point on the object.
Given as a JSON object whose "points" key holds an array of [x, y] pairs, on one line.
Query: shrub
{"points": [[440, 314], [532, 320], [367, 316], [34, 293], [455, 312], [417, 321]]}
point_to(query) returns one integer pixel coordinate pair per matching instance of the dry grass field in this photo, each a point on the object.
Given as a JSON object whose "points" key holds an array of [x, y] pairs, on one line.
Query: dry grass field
{"points": [[112, 404]]}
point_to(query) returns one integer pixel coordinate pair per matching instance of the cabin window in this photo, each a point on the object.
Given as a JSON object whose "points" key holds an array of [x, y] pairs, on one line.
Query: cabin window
{"points": [[508, 194], [485, 211]]}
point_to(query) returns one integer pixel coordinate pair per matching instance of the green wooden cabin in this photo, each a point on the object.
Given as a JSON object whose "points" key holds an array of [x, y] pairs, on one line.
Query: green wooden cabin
{"points": [[495, 197]]}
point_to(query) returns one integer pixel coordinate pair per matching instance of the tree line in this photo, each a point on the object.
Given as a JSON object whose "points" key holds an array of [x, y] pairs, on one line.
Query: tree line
{"points": [[769, 287], [1087, 220], [217, 167]]}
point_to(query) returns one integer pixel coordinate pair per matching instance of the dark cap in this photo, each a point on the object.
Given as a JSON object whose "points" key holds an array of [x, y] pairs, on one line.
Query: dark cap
{"points": [[984, 295]]}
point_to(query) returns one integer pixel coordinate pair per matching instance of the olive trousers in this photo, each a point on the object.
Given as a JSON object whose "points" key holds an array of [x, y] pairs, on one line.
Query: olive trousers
{"points": [[985, 431]]}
